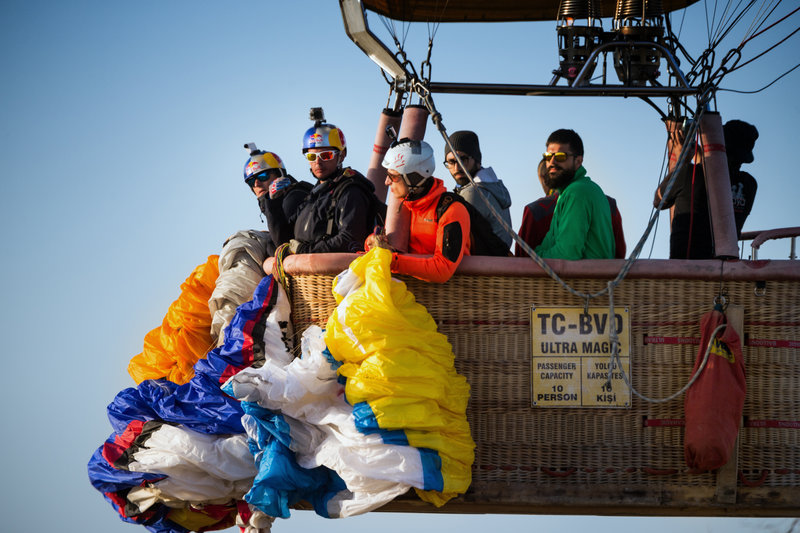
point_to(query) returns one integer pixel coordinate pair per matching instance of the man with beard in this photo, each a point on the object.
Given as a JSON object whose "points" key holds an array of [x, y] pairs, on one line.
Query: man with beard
{"points": [[537, 215], [492, 190], [581, 225]]}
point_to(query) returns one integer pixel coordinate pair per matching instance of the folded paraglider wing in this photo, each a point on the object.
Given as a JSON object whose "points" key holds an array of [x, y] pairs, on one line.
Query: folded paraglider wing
{"points": [[371, 408]]}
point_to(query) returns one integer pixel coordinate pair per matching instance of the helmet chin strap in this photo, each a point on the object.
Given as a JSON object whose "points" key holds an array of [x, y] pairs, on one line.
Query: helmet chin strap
{"points": [[412, 189]]}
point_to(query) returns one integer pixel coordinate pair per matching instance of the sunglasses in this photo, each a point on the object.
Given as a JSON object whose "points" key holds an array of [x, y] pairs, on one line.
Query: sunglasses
{"points": [[261, 177], [327, 155], [560, 156]]}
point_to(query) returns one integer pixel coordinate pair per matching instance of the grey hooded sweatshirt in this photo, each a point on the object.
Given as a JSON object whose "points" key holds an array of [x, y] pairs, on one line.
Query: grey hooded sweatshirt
{"points": [[497, 194]]}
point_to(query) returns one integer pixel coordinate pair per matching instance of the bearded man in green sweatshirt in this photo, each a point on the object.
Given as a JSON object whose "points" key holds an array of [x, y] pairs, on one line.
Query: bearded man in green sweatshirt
{"points": [[581, 226]]}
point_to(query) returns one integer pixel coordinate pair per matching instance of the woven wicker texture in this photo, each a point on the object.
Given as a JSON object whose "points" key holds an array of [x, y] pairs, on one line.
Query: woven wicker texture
{"points": [[530, 452]]}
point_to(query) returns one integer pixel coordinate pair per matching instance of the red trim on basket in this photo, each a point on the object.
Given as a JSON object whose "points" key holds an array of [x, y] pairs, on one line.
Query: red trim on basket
{"points": [[486, 322], [757, 483], [659, 471], [660, 339], [557, 473], [782, 424], [767, 343], [663, 422], [773, 343]]}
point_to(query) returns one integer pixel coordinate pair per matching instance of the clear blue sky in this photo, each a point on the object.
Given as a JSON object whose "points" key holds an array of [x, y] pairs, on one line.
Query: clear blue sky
{"points": [[122, 127]]}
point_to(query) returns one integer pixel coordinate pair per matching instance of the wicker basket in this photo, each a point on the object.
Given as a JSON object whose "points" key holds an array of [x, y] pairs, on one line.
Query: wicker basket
{"points": [[609, 461]]}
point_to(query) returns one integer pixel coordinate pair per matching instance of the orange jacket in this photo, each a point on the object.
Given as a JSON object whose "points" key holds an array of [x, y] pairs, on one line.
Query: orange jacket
{"points": [[440, 245]]}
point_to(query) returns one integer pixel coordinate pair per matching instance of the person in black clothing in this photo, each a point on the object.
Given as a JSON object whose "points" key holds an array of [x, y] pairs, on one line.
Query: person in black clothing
{"points": [[339, 212], [691, 236], [265, 174]]}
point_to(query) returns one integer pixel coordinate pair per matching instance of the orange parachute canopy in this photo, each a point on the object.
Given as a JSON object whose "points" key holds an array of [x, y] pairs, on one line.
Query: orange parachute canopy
{"points": [[483, 11], [171, 350]]}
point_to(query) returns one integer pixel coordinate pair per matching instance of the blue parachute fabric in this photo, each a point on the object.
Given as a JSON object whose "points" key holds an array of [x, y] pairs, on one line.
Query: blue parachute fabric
{"points": [[367, 423], [113, 483], [244, 343], [431, 469], [196, 405], [281, 482]]}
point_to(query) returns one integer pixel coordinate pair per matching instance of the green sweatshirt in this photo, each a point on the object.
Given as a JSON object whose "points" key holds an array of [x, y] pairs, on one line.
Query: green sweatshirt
{"points": [[581, 226]]}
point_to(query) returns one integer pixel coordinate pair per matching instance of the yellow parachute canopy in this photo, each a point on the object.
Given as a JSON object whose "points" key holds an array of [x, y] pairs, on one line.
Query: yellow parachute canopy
{"points": [[171, 350], [397, 362]]}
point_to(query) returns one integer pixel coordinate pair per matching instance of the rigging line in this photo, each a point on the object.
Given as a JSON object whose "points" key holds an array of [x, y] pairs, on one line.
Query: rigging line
{"points": [[436, 23], [664, 159], [755, 26], [391, 27], [764, 87], [771, 25], [727, 13], [734, 20], [683, 19], [626, 379], [737, 67]]}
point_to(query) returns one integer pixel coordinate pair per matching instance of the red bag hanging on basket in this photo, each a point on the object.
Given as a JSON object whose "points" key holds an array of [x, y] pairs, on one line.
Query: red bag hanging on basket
{"points": [[715, 400]]}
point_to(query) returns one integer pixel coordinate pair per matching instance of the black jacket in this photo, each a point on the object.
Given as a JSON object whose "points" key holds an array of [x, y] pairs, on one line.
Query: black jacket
{"points": [[279, 230], [335, 216], [692, 236]]}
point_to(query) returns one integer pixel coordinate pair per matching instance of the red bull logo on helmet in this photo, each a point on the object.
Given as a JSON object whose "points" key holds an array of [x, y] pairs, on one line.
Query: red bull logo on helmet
{"points": [[314, 139], [253, 167]]}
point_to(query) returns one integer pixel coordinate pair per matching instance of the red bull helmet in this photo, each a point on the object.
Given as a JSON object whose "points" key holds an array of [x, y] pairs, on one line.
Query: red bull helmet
{"points": [[260, 162], [324, 136]]}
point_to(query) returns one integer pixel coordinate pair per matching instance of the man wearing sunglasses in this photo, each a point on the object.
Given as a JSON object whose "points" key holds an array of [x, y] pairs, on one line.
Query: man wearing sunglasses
{"points": [[341, 209], [265, 174], [581, 224], [467, 148], [537, 215]]}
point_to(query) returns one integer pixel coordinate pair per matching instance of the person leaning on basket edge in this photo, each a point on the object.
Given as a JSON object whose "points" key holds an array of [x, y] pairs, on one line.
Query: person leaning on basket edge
{"points": [[467, 147], [442, 243], [581, 226]]}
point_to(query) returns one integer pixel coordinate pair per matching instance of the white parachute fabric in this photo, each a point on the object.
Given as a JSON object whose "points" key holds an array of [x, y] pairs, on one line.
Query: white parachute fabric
{"points": [[200, 467], [322, 428], [240, 271]]}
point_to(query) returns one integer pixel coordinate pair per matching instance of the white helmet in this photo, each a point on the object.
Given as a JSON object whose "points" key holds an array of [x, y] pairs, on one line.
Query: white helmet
{"points": [[409, 156]]}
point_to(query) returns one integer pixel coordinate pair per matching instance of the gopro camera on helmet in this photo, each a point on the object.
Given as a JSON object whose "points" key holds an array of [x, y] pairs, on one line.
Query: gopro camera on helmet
{"points": [[317, 115]]}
